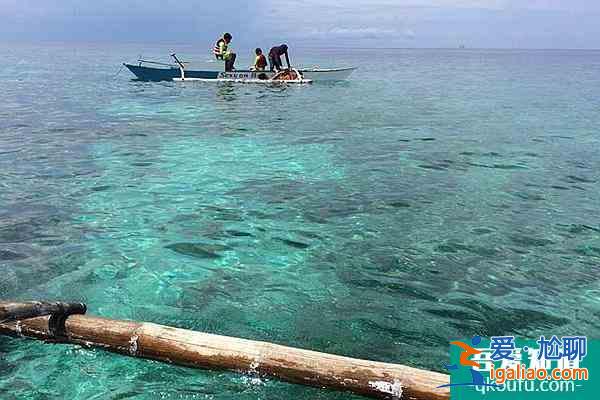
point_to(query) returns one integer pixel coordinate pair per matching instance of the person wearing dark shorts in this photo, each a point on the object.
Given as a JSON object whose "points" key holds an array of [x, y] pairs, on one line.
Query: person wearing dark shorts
{"points": [[275, 57], [223, 52]]}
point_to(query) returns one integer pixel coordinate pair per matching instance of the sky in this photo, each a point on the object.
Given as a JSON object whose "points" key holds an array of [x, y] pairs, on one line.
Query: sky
{"points": [[325, 23]]}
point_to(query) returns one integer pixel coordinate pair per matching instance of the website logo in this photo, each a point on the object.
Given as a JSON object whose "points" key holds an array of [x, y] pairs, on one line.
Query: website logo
{"points": [[550, 367], [465, 361]]}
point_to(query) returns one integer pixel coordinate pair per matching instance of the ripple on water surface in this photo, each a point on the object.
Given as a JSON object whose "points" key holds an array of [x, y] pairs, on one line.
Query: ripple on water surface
{"points": [[374, 218]]}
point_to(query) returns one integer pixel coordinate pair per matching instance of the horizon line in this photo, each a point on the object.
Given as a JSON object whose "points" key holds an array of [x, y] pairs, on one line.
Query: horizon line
{"points": [[306, 46]]}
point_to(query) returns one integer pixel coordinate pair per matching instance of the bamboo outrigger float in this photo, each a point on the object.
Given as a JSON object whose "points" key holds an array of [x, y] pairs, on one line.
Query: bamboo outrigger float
{"points": [[65, 323]]}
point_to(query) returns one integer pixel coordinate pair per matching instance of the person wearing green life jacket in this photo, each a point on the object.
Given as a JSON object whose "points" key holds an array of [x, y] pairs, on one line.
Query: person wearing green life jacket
{"points": [[222, 52]]}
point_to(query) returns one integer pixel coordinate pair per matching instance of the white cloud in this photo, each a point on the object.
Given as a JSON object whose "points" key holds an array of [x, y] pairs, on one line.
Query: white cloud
{"points": [[428, 23], [476, 23], [353, 32], [409, 33]]}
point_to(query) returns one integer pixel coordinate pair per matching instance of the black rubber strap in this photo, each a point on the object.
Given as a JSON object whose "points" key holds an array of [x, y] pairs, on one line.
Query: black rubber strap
{"points": [[56, 323], [58, 311]]}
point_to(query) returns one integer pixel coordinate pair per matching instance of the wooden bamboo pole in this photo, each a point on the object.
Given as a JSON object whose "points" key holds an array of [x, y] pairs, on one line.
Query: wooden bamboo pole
{"points": [[202, 350]]}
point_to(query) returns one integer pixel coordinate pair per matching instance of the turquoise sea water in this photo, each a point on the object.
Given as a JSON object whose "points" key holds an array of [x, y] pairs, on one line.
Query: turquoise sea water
{"points": [[436, 194]]}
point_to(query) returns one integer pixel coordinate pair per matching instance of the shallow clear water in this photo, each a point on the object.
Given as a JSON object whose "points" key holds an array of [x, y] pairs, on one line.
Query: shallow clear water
{"points": [[436, 194]]}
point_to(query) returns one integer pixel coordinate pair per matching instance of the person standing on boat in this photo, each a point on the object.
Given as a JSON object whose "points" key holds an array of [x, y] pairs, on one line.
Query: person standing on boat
{"points": [[275, 57], [222, 52]]}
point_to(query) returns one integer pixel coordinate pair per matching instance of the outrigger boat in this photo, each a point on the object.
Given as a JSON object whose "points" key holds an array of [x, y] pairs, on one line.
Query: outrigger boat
{"points": [[58, 322], [153, 71]]}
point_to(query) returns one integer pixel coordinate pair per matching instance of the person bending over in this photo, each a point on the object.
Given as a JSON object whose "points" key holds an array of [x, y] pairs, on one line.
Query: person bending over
{"points": [[275, 57]]}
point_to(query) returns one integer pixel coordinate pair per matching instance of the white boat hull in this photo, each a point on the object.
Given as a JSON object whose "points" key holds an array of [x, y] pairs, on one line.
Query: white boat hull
{"points": [[334, 74], [169, 72]]}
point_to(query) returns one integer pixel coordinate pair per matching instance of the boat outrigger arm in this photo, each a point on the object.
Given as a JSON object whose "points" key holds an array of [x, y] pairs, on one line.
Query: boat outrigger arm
{"points": [[203, 350], [181, 66]]}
